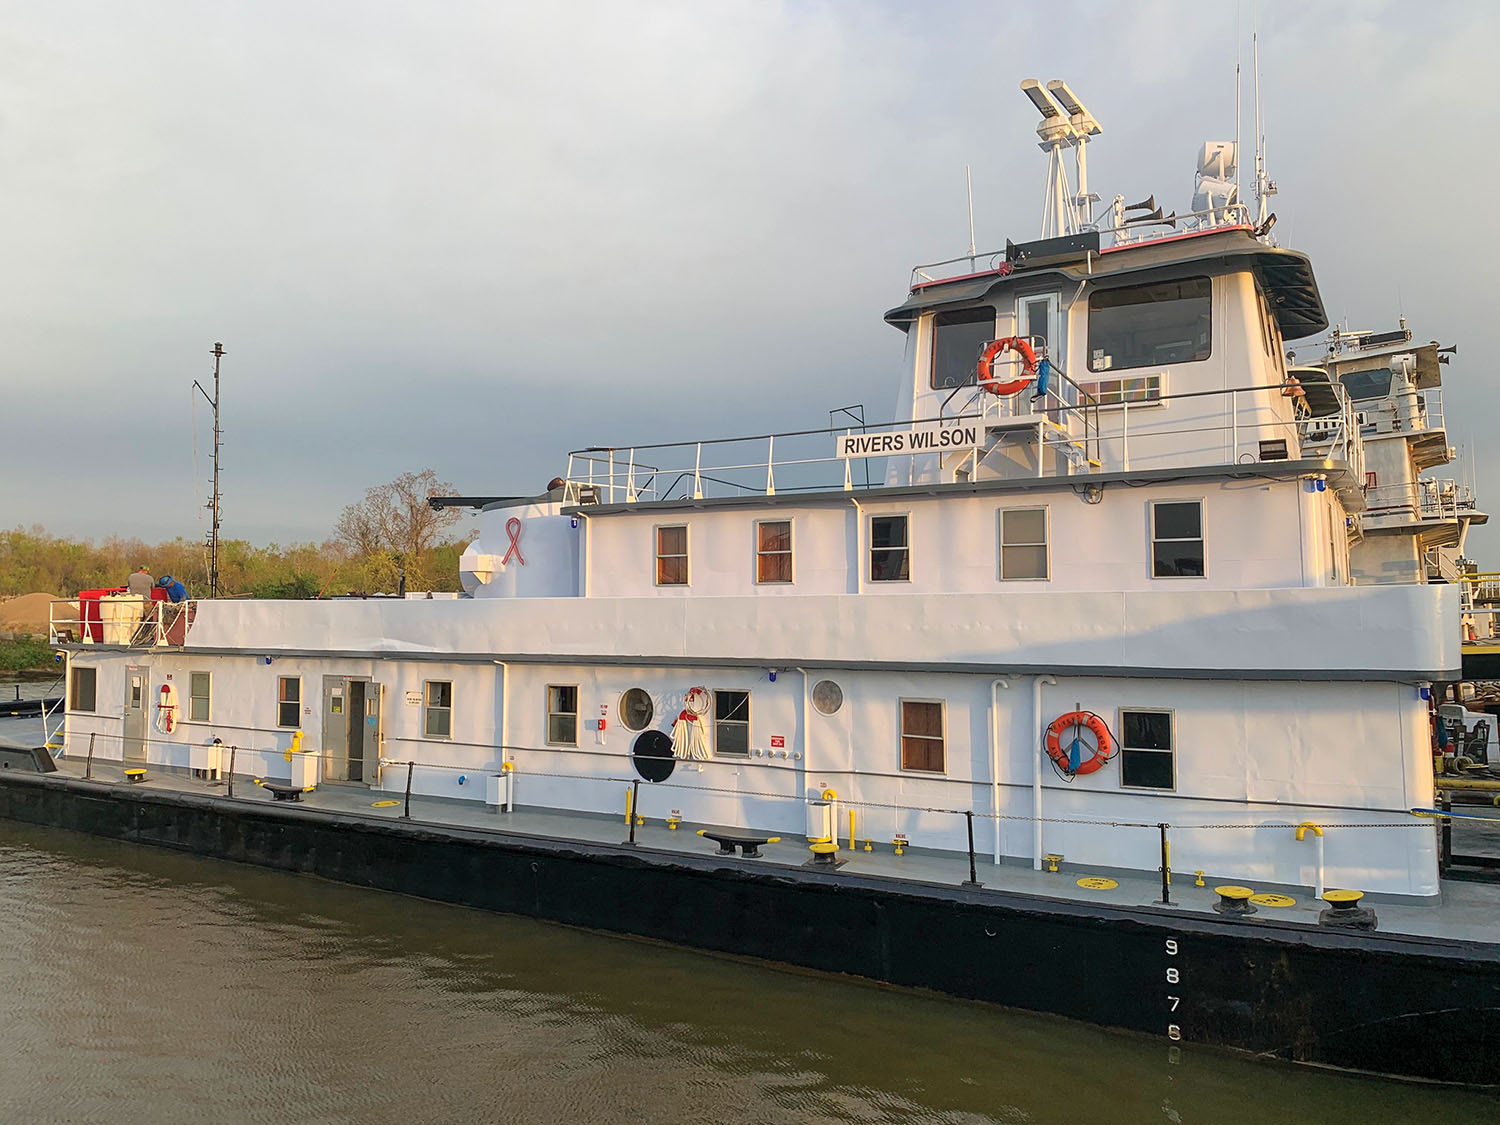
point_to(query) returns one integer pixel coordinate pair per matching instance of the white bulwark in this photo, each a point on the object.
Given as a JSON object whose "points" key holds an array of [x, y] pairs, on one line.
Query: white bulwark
{"points": [[1228, 561]]}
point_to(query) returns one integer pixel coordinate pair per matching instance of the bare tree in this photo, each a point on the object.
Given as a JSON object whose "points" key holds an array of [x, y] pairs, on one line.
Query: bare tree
{"points": [[395, 518]]}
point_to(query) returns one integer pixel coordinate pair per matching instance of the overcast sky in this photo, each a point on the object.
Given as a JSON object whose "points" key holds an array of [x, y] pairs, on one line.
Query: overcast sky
{"points": [[472, 236]]}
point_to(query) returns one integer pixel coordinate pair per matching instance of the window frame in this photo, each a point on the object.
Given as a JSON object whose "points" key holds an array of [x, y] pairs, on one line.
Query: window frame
{"points": [[429, 709], [1171, 713], [736, 722], [547, 710], [1089, 329], [870, 548], [902, 736], [193, 697], [93, 675], [686, 556], [1098, 388], [932, 345], [1045, 544], [281, 703], [1202, 539], [1054, 319], [620, 710], [790, 553]]}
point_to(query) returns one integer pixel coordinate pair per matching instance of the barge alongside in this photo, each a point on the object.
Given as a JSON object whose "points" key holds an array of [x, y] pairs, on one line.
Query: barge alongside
{"points": [[1123, 589]]}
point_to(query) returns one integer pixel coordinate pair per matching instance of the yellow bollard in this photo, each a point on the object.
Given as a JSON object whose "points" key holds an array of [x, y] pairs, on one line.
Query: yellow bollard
{"points": [[1199, 881], [851, 830], [628, 810]]}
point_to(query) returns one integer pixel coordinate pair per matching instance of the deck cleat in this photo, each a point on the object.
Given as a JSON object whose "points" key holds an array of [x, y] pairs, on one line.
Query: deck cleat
{"points": [[1344, 911], [1234, 901]]}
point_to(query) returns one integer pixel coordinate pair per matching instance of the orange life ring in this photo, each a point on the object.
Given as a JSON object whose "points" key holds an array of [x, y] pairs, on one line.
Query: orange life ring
{"points": [[1104, 746], [992, 351]]}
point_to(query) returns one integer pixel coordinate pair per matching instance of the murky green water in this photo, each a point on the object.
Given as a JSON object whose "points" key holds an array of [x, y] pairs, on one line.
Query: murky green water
{"points": [[141, 985]]}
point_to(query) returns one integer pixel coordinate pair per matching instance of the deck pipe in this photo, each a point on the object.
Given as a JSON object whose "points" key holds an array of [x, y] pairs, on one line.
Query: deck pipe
{"points": [[1036, 768], [995, 686]]}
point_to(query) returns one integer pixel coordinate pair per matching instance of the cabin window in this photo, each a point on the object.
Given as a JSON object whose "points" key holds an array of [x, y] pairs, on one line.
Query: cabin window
{"points": [[672, 556], [1147, 760], [636, 709], [82, 689], [773, 551], [1177, 539], [922, 735], [732, 723], [957, 339], [288, 701], [200, 696], [1363, 385], [1131, 389], [1146, 325], [1023, 544], [890, 549], [437, 708], [1036, 317], [562, 714]]}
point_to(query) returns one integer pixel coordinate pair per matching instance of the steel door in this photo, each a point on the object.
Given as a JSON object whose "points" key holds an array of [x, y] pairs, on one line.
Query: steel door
{"points": [[137, 702], [336, 728]]}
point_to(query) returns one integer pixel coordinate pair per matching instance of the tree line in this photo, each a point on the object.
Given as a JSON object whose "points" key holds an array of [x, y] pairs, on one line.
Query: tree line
{"points": [[390, 531]]}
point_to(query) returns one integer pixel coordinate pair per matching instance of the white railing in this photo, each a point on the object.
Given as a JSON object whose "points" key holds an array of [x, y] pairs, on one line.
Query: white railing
{"points": [[120, 619], [1073, 433], [1127, 234], [1425, 500], [1411, 412]]}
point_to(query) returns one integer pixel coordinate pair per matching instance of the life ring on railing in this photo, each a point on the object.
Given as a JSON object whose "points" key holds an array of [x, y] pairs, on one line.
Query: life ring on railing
{"points": [[166, 709], [1069, 760], [992, 351]]}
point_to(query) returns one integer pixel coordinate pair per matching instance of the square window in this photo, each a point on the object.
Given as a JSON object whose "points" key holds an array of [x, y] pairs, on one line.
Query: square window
{"points": [[922, 736], [1147, 758], [732, 723], [957, 339], [890, 549], [437, 720], [1023, 544], [1155, 324], [672, 556], [562, 714], [773, 551], [289, 701], [1177, 545], [200, 697], [82, 689]]}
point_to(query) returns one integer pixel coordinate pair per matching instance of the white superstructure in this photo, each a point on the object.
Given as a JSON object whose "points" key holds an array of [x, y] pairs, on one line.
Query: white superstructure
{"points": [[1164, 526]]}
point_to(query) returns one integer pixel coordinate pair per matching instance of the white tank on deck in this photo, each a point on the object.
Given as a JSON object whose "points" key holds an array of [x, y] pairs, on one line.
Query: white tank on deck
{"points": [[529, 550]]}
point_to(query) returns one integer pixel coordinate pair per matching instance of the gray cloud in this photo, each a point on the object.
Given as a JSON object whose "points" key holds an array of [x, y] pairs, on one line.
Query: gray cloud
{"points": [[473, 236]]}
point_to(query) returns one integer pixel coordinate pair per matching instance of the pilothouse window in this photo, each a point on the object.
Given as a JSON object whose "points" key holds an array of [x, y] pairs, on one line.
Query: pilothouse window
{"points": [[957, 339], [1146, 325]]}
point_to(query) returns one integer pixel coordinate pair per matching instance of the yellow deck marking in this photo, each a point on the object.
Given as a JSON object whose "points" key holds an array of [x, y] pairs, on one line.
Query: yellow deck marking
{"points": [[384, 804], [1097, 883], [1273, 900]]}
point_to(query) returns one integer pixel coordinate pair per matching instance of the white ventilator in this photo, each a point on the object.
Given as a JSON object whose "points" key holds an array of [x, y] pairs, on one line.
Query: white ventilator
{"points": [[690, 731]]}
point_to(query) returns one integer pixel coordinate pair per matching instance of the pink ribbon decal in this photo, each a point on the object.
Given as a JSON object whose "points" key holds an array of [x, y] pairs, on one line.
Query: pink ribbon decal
{"points": [[513, 529]]}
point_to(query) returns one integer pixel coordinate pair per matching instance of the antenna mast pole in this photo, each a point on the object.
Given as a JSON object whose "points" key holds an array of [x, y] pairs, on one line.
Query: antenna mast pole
{"points": [[213, 504], [969, 183]]}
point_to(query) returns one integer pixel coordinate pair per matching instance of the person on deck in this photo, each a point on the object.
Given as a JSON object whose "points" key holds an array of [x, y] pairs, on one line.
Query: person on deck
{"points": [[139, 584], [176, 591]]}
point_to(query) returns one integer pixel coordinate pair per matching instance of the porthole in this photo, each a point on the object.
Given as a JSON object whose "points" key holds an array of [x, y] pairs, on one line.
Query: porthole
{"points": [[636, 709], [827, 696]]}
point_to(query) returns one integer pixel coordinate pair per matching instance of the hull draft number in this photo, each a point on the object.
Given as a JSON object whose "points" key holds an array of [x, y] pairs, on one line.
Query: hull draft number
{"points": [[1079, 743]]}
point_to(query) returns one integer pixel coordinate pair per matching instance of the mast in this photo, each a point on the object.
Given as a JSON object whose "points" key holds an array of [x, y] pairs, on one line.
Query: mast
{"points": [[213, 504]]}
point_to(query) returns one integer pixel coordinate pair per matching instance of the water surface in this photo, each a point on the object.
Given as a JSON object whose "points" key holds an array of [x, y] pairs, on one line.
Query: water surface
{"points": [[144, 985]]}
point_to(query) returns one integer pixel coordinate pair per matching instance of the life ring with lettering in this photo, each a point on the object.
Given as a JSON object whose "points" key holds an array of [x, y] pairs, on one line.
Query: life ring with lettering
{"points": [[1069, 759], [992, 351]]}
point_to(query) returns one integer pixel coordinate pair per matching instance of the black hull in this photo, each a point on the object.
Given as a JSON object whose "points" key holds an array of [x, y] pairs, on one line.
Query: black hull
{"points": [[1384, 1003]]}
